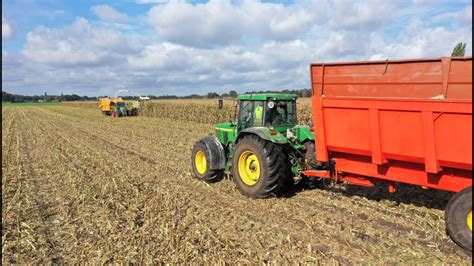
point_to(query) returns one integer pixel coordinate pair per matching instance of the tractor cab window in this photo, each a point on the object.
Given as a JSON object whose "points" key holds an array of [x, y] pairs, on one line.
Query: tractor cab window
{"points": [[280, 113], [251, 114], [245, 114], [258, 114]]}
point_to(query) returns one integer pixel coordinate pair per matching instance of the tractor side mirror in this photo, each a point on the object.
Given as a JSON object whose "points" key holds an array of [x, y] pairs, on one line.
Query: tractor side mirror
{"points": [[220, 104]]}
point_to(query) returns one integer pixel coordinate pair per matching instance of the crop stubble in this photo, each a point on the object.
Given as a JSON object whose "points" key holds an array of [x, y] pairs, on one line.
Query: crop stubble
{"points": [[79, 186]]}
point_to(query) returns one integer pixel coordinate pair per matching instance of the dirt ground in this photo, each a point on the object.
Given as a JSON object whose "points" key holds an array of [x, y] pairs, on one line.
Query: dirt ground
{"points": [[81, 187]]}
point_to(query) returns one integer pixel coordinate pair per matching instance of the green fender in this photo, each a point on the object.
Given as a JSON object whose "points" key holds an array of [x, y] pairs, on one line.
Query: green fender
{"points": [[303, 133], [264, 133]]}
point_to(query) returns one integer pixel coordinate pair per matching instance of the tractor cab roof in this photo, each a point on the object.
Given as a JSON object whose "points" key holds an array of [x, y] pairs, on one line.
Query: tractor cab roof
{"points": [[267, 96]]}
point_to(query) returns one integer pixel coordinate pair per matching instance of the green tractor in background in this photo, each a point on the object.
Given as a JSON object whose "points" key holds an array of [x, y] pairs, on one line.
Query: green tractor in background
{"points": [[264, 151]]}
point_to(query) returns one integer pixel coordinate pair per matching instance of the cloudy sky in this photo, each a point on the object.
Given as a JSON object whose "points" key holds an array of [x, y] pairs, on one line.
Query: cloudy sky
{"points": [[182, 47]]}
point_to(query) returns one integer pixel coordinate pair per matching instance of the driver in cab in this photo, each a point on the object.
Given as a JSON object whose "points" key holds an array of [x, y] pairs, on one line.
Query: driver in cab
{"points": [[275, 114]]}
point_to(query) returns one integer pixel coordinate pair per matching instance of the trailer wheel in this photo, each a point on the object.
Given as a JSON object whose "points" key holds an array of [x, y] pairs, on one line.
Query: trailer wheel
{"points": [[200, 162], [458, 217], [259, 168]]}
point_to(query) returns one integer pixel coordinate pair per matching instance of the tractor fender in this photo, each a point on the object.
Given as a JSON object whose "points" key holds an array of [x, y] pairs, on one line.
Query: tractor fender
{"points": [[303, 133], [263, 133], [216, 152], [257, 133]]}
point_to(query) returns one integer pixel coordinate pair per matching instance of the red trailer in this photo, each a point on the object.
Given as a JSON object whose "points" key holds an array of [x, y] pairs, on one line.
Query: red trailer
{"points": [[405, 121]]}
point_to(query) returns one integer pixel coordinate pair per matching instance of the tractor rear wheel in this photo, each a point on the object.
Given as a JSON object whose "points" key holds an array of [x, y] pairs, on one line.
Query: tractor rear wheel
{"points": [[458, 217], [200, 162], [259, 168]]}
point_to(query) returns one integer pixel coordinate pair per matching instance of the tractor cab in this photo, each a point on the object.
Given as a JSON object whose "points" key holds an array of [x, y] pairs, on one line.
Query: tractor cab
{"points": [[263, 112], [276, 111]]}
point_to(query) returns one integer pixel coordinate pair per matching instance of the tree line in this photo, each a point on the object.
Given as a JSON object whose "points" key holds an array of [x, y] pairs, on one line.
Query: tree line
{"points": [[17, 98]]}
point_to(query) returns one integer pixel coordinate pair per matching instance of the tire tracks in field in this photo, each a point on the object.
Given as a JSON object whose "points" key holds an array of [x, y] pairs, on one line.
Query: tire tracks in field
{"points": [[83, 231], [32, 237], [41, 192], [11, 191]]}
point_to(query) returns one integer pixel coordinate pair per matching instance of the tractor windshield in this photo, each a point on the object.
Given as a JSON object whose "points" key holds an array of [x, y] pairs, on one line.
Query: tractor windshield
{"points": [[280, 114]]}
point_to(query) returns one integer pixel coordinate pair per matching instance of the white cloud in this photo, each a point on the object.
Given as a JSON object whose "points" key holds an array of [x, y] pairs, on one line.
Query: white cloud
{"points": [[7, 30], [222, 22], [168, 57], [361, 15], [462, 17], [76, 44], [108, 13], [418, 40], [217, 23]]}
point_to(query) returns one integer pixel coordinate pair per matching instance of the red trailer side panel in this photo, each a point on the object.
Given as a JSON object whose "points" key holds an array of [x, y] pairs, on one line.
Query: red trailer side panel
{"points": [[417, 112]]}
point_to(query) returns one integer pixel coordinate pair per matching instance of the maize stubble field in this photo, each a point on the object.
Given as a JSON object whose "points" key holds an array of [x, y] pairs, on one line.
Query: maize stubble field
{"points": [[81, 187]]}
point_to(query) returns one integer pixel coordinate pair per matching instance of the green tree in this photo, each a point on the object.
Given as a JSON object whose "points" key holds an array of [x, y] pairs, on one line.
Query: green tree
{"points": [[459, 49], [212, 95], [233, 94]]}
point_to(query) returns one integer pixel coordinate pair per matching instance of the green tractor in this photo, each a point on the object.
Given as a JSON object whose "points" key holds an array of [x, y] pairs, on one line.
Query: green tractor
{"points": [[264, 151]]}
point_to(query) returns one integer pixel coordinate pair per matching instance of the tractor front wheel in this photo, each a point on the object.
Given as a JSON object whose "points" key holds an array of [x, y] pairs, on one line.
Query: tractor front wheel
{"points": [[259, 168], [458, 217], [200, 162]]}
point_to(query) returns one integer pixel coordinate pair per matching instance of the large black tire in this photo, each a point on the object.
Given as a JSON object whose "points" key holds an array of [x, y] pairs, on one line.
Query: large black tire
{"points": [[273, 166], [204, 174], [456, 216]]}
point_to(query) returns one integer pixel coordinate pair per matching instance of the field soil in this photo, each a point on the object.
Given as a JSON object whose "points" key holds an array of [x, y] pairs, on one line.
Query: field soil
{"points": [[81, 187]]}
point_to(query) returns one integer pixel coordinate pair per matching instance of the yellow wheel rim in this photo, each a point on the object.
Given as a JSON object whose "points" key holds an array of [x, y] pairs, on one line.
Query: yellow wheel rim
{"points": [[249, 168], [469, 220], [200, 162]]}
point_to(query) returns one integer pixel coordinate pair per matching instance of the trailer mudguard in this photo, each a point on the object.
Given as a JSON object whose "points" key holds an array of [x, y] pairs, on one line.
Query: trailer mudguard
{"points": [[216, 152]]}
